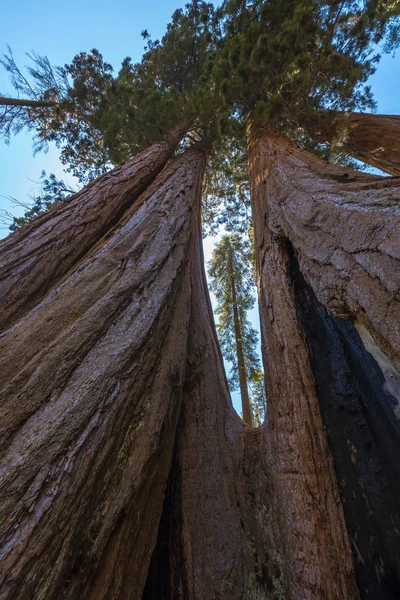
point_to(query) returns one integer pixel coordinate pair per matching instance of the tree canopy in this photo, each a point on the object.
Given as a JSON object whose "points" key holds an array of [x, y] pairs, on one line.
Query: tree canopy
{"points": [[213, 68]]}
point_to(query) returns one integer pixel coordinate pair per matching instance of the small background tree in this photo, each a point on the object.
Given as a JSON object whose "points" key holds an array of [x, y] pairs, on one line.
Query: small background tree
{"points": [[231, 280]]}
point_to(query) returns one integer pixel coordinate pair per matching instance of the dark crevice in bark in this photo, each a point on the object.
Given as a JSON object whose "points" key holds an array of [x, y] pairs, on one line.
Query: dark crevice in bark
{"points": [[363, 436], [167, 571]]}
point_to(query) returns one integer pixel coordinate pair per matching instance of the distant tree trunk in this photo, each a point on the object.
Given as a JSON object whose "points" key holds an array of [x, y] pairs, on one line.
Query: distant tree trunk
{"points": [[91, 388], [243, 383], [328, 237], [373, 139], [35, 258]]}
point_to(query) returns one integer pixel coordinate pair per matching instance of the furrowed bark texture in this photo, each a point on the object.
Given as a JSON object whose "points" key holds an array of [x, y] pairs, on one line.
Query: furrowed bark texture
{"points": [[216, 537], [373, 139], [92, 382], [344, 226], [363, 435], [35, 258], [337, 231]]}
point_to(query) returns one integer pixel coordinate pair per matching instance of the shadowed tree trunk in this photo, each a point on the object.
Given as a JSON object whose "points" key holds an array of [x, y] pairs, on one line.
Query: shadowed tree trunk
{"points": [[126, 474], [36, 257], [220, 535], [337, 231], [373, 139], [95, 380], [92, 383]]}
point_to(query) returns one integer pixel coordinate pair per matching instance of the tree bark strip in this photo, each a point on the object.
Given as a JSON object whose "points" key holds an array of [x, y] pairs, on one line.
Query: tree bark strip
{"points": [[363, 435], [216, 537], [34, 258], [309, 515], [344, 226], [373, 139], [92, 383]]}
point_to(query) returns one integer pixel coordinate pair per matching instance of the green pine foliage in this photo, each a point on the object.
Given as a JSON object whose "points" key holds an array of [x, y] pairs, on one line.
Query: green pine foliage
{"points": [[277, 60], [232, 261], [285, 58]]}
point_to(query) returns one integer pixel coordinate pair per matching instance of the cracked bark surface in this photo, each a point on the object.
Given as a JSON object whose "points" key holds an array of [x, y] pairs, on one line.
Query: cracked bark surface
{"points": [[373, 139], [327, 396], [344, 226], [94, 380], [363, 435], [92, 384], [36, 257], [216, 536], [309, 516]]}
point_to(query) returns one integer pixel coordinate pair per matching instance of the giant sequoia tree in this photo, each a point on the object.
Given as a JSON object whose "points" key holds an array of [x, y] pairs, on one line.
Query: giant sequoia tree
{"points": [[125, 473]]}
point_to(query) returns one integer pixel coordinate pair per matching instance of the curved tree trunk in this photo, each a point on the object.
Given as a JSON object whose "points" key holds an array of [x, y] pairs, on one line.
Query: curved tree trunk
{"points": [[337, 231], [36, 257], [92, 383], [216, 537], [373, 139]]}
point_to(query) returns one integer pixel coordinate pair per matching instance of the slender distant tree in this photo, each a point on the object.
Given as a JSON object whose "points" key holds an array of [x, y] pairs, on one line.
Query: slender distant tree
{"points": [[230, 270]]}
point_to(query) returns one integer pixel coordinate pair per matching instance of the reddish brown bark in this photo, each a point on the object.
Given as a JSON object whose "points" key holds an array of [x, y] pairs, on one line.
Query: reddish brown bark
{"points": [[373, 139], [216, 537], [92, 383], [36, 257], [306, 500], [344, 226], [339, 230]]}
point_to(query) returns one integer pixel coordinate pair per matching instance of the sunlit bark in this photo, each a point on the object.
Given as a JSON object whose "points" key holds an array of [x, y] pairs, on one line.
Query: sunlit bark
{"points": [[35, 258], [330, 232], [373, 139], [92, 382]]}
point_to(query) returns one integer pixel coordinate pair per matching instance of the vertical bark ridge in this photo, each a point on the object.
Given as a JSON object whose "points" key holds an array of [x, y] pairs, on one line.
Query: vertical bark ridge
{"points": [[306, 502], [216, 538], [373, 139], [34, 258], [363, 436], [345, 228], [91, 393]]}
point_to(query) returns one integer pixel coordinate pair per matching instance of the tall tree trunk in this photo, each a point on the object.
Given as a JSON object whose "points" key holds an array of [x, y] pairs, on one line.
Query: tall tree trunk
{"points": [[244, 390], [344, 226], [92, 382], [36, 257], [216, 536], [95, 380], [337, 231], [373, 139]]}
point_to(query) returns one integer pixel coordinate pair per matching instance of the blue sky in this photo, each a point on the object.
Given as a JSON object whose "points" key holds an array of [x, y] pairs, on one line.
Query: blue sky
{"points": [[61, 29]]}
